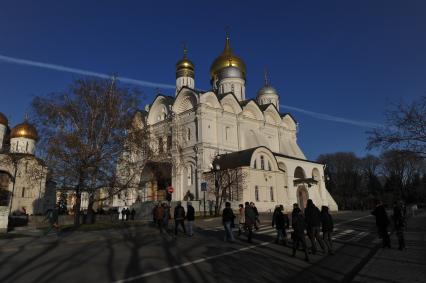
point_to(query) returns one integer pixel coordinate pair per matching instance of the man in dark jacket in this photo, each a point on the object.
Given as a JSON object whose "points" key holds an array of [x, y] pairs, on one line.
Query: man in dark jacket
{"points": [[280, 221], [327, 228], [382, 223], [179, 216], [256, 214], [250, 216], [313, 222], [190, 217], [299, 226], [399, 223], [227, 220]]}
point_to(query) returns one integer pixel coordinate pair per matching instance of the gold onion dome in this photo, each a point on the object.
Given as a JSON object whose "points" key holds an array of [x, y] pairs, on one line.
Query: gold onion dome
{"points": [[184, 67], [24, 130], [227, 59], [3, 120]]}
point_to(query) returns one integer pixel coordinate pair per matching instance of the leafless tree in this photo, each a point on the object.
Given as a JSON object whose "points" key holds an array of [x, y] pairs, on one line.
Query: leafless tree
{"points": [[89, 137], [226, 185], [405, 128]]}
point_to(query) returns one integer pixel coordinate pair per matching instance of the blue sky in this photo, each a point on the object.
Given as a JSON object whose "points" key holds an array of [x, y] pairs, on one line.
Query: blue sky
{"points": [[348, 59]]}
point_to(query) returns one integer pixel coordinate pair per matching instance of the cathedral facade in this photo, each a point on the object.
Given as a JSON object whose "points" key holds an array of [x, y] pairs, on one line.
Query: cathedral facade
{"points": [[196, 134], [22, 175]]}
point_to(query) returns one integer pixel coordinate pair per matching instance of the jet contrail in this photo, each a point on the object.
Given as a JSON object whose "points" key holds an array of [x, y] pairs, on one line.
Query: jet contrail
{"points": [[327, 117], [60, 68]]}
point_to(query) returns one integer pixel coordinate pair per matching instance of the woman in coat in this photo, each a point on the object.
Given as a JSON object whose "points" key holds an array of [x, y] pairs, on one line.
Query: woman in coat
{"points": [[327, 228]]}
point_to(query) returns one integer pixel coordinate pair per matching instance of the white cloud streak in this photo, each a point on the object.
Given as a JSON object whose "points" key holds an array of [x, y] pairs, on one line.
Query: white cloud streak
{"points": [[322, 116], [61, 68]]}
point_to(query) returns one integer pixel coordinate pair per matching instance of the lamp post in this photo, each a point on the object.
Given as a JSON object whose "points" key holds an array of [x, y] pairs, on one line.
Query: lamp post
{"points": [[216, 185]]}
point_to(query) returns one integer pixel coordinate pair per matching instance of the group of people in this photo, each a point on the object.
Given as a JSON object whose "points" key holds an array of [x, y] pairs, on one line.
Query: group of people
{"points": [[161, 216], [127, 214], [382, 223], [311, 221]]}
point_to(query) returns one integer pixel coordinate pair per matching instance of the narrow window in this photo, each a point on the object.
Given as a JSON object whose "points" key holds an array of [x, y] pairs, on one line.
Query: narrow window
{"points": [[256, 193], [255, 164], [26, 147], [189, 175], [17, 146], [169, 142], [227, 133], [269, 166], [160, 145], [271, 193], [188, 134], [232, 87], [262, 162], [23, 192]]}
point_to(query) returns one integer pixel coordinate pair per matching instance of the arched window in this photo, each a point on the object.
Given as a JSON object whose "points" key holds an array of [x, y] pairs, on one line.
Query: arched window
{"points": [[256, 193], [262, 162], [160, 145], [227, 133], [269, 166], [26, 147], [255, 164], [271, 193], [23, 192], [190, 175], [188, 134]]}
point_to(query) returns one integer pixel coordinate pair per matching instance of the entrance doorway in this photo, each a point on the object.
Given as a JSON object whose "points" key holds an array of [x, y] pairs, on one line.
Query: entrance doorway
{"points": [[302, 196]]}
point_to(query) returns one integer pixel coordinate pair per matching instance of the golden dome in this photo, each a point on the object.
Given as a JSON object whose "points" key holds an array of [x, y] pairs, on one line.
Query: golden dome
{"points": [[3, 119], [185, 67], [24, 130], [226, 59]]}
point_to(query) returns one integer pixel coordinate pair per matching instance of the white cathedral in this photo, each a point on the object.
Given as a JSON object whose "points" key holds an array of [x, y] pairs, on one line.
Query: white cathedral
{"points": [[197, 133], [23, 176]]}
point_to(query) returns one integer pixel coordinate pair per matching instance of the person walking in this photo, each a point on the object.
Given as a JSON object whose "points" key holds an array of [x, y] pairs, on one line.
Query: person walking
{"points": [[190, 217], [241, 219], [167, 216], [299, 226], [327, 228], [132, 214], [256, 213], [280, 222], [179, 216], [123, 214], [52, 216], [227, 219], [313, 222], [159, 216], [399, 223], [250, 217], [382, 223]]}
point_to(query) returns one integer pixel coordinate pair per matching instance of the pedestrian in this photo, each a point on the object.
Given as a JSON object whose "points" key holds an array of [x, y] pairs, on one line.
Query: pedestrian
{"points": [[241, 219], [280, 222], [313, 224], [133, 213], [159, 216], [127, 214], [167, 216], [299, 226], [190, 217], [327, 228], [250, 217], [382, 223], [227, 219], [256, 213], [179, 216], [154, 221], [399, 223], [123, 214], [52, 216]]}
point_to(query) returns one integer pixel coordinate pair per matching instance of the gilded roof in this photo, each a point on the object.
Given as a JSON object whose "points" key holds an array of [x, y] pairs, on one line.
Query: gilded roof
{"points": [[226, 59], [24, 130]]}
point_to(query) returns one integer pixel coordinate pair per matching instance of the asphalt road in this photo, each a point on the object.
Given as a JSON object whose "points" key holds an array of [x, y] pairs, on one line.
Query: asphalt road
{"points": [[142, 254]]}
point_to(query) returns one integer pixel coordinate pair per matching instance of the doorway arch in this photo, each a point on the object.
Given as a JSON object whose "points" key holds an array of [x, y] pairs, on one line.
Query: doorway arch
{"points": [[302, 196]]}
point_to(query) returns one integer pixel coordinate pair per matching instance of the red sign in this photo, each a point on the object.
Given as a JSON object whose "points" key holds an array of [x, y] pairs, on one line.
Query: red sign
{"points": [[170, 189]]}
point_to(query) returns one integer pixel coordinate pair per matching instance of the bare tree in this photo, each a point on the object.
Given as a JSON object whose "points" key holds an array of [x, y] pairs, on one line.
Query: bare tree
{"points": [[86, 132], [226, 185], [405, 128]]}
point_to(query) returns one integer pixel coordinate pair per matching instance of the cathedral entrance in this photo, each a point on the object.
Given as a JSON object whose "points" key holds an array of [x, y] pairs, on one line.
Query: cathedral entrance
{"points": [[155, 178], [302, 196], [4, 192]]}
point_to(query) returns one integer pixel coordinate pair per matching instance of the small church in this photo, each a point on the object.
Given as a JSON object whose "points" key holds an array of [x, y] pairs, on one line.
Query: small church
{"points": [[200, 139]]}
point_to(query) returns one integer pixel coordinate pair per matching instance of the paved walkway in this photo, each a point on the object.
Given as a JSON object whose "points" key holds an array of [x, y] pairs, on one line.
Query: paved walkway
{"points": [[393, 265]]}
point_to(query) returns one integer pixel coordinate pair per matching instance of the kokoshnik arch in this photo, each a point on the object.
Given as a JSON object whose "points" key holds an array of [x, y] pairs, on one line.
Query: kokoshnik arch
{"points": [[193, 131]]}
